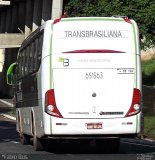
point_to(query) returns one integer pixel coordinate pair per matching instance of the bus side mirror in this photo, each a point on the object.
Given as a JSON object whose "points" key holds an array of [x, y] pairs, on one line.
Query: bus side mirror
{"points": [[10, 74]]}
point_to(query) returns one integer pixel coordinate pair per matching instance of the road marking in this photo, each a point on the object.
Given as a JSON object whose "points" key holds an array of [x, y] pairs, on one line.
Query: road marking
{"points": [[139, 144], [9, 140], [14, 142]]}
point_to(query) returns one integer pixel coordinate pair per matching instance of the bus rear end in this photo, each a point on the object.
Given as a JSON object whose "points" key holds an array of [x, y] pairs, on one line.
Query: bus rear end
{"points": [[95, 78]]}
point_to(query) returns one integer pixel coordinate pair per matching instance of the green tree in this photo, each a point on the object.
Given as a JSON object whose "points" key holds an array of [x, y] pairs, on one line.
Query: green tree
{"points": [[142, 11]]}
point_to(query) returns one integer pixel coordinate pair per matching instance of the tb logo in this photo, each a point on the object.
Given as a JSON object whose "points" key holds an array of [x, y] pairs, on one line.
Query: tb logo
{"points": [[65, 61]]}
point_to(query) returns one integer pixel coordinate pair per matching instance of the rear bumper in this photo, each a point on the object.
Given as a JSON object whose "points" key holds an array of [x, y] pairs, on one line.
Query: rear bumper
{"points": [[90, 137], [116, 127]]}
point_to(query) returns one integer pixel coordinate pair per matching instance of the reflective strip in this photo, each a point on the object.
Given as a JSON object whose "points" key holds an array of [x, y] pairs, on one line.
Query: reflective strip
{"points": [[134, 32], [94, 51], [51, 72], [91, 19]]}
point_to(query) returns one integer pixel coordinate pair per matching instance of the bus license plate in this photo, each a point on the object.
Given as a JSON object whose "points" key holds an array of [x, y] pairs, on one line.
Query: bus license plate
{"points": [[94, 125]]}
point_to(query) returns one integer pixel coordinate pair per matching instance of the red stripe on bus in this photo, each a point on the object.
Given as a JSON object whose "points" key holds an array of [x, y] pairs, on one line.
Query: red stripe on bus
{"points": [[94, 51]]}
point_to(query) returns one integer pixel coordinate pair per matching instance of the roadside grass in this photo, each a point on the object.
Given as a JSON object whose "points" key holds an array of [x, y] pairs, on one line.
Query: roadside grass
{"points": [[148, 72], [12, 112], [149, 126], [148, 67]]}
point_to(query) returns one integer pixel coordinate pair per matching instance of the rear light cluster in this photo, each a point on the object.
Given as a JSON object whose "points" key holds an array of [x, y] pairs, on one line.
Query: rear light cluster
{"points": [[50, 104], [135, 105]]}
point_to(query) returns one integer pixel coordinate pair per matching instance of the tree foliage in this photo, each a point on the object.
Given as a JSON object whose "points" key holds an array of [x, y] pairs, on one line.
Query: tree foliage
{"points": [[142, 11]]}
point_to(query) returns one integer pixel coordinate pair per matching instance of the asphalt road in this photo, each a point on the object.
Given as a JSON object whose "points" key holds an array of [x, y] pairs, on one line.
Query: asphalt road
{"points": [[10, 148]]}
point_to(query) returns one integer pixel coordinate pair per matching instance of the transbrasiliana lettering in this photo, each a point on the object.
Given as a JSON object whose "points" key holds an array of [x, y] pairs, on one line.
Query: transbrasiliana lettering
{"points": [[94, 34]]}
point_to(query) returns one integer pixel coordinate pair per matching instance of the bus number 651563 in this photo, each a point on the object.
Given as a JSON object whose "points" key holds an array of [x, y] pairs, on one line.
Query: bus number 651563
{"points": [[94, 75]]}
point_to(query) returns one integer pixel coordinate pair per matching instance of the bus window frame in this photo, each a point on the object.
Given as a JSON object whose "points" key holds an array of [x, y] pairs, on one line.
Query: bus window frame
{"points": [[36, 48]]}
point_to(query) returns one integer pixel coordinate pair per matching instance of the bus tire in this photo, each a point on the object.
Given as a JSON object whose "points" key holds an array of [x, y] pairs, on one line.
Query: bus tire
{"points": [[115, 143], [37, 142], [108, 145], [24, 139]]}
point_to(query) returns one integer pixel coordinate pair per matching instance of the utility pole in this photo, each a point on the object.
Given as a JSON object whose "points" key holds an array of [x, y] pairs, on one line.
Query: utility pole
{"points": [[57, 9]]}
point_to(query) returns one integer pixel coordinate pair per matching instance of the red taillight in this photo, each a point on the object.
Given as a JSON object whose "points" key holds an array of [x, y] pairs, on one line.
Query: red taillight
{"points": [[50, 104], [135, 105]]}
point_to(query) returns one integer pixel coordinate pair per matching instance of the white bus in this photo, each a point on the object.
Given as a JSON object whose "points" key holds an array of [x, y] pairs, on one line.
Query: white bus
{"points": [[79, 78]]}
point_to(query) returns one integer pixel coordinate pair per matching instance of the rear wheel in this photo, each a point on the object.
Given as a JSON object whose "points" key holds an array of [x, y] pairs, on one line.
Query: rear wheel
{"points": [[115, 143], [108, 145], [24, 139], [37, 142]]}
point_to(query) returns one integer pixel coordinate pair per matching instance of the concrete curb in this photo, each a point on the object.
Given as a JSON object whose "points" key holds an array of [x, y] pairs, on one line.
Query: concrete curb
{"points": [[8, 116], [7, 103]]}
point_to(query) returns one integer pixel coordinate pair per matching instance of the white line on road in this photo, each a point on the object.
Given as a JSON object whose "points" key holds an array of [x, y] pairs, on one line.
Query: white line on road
{"points": [[14, 142], [9, 140], [138, 144]]}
